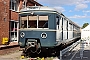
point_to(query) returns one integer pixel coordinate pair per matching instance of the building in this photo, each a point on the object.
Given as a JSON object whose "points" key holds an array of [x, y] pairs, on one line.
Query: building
{"points": [[85, 34], [9, 17]]}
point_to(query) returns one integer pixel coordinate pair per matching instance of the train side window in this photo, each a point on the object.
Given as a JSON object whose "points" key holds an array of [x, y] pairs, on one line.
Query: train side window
{"points": [[70, 26], [57, 20]]}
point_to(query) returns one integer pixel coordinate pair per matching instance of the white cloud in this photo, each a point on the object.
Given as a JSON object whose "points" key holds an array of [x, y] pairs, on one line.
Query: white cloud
{"points": [[63, 2], [84, 21], [70, 11], [88, 11], [87, 1], [81, 6], [78, 16], [60, 9]]}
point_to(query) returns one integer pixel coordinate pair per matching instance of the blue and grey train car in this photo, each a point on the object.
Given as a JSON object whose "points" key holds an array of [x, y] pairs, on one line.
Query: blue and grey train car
{"points": [[44, 27]]}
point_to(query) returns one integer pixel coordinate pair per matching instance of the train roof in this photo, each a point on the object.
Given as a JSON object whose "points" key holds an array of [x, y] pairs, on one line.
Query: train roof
{"points": [[43, 8], [38, 8]]}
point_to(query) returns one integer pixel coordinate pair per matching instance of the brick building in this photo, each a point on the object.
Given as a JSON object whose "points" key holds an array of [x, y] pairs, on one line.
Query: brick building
{"points": [[9, 17]]}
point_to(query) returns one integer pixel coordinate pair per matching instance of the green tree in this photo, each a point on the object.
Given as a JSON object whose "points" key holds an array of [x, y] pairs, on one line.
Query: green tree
{"points": [[84, 25]]}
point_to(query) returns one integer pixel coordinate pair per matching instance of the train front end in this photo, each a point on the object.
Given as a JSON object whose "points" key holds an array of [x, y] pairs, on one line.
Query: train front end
{"points": [[37, 30]]}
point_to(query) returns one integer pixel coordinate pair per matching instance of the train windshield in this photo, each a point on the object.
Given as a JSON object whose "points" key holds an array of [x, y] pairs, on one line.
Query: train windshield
{"points": [[36, 21]]}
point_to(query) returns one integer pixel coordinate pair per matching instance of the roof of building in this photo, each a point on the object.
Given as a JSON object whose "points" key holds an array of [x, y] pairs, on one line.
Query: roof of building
{"points": [[87, 27], [35, 2]]}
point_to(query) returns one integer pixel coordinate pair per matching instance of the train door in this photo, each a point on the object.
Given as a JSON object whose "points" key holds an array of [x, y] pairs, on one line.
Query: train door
{"points": [[57, 28], [65, 28], [70, 30]]}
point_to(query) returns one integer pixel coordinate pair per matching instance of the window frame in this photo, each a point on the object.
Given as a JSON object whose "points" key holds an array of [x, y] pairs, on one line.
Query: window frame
{"points": [[39, 18], [13, 5]]}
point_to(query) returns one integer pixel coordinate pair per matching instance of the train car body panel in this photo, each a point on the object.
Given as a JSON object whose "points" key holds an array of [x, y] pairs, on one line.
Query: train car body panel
{"points": [[37, 34], [45, 27]]}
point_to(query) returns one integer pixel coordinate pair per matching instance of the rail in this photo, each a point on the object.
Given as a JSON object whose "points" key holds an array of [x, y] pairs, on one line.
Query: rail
{"points": [[69, 48]]}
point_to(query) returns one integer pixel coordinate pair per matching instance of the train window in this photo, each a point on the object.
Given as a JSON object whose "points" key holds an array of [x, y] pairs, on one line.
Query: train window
{"points": [[34, 21], [24, 22], [57, 20], [64, 24], [32, 24], [38, 21], [70, 26], [45, 25], [43, 22]]}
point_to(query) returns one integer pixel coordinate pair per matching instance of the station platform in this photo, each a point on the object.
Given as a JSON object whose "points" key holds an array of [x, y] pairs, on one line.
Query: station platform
{"points": [[11, 44], [76, 54], [86, 54]]}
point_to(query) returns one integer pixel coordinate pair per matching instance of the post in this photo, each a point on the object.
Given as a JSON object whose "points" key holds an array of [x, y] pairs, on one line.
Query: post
{"points": [[37, 20], [81, 49], [60, 55], [27, 20]]}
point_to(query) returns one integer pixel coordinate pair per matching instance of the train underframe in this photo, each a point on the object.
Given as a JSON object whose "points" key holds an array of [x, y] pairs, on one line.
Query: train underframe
{"points": [[30, 51]]}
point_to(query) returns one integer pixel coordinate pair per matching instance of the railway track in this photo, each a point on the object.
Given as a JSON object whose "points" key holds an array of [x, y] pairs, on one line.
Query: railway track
{"points": [[70, 55], [8, 49], [13, 49], [51, 57]]}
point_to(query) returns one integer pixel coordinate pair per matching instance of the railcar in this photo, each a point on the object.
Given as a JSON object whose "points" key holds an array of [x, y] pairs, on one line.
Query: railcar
{"points": [[44, 28]]}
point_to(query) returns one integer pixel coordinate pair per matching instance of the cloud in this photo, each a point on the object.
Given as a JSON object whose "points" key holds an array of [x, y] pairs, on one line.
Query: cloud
{"points": [[84, 21], [60, 9], [70, 11], [86, 1], [88, 11], [78, 16], [63, 2], [81, 6]]}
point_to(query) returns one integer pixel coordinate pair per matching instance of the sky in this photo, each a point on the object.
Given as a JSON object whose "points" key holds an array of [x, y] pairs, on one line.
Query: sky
{"points": [[76, 10]]}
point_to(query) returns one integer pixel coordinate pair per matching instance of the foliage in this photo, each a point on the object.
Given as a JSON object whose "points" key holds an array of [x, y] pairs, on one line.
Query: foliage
{"points": [[84, 25]]}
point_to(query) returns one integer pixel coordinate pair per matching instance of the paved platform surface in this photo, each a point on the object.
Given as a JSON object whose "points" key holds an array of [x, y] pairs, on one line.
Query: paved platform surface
{"points": [[9, 45], [86, 54], [75, 54]]}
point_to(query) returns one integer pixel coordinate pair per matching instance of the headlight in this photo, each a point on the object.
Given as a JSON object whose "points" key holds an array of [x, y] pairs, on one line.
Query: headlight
{"points": [[22, 34], [44, 35]]}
